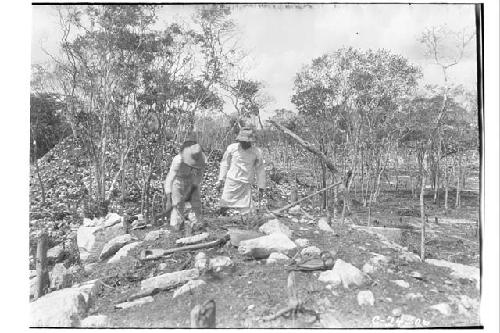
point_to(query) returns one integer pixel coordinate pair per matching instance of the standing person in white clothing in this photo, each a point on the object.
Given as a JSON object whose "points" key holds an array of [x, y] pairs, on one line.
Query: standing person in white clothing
{"points": [[241, 165]]}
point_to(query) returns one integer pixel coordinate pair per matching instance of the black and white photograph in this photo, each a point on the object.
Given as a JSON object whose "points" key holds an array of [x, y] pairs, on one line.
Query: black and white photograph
{"points": [[257, 165]]}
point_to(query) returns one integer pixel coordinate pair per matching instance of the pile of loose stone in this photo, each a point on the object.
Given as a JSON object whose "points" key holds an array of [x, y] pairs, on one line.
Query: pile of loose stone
{"points": [[105, 240]]}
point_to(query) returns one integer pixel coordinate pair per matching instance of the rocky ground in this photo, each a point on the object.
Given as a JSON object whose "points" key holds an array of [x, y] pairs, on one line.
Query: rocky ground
{"points": [[98, 278]]}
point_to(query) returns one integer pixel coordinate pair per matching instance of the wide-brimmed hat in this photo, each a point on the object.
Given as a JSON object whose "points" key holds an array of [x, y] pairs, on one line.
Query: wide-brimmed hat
{"points": [[193, 156], [246, 135]]}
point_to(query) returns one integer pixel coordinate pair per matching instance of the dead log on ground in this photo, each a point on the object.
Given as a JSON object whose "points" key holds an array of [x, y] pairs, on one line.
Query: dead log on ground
{"points": [[158, 253]]}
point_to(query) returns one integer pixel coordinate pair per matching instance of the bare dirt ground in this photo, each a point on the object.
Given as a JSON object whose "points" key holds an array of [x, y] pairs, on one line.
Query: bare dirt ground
{"points": [[253, 289]]}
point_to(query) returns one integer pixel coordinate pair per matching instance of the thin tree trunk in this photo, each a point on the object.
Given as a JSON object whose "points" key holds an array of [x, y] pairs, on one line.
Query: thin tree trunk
{"points": [[446, 187], [369, 214], [422, 216], [436, 179], [41, 266], [37, 168], [457, 200], [323, 184], [413, 194]]}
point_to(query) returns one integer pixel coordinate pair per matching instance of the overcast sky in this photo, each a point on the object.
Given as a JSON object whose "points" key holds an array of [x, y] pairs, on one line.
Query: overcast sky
{"points": [[281, 40]]}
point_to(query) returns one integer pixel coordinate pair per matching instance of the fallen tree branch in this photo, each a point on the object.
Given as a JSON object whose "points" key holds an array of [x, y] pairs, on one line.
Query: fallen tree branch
{"points": [[158, 253], [307, 145], [145, 293], [277, 211]]}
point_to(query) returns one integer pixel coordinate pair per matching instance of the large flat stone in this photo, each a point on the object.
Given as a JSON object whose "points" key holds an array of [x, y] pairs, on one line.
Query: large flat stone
{"points": [[56, 253], [123, 252], [65, 307], [62, 308], [188, 287], [91, 240], [238, 235], [347, 273], [458, 270], [139, 301], [169, 280], [115, 244], [276, 242], [323, 225], [365, 297], [274, 226]]}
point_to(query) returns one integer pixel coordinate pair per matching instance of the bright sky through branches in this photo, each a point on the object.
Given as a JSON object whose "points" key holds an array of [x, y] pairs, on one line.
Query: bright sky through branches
{"points": [[281, 40]]}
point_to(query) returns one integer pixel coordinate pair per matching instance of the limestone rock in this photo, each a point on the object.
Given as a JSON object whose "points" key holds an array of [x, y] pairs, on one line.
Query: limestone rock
{"points": [[368, 268], [139, 301], [414, 296], [111, 219], [60, 277], [89, 267], [188, 287], [91, 222], [409, 256], [200, 261], [276, 242], [330, 277], [65, 307], [379, 260], [275, 257], [89, 290], [115, 244], [444, 308], [219, 262], [123, 252], [375, 263], [401, 283], [323, 225], [396, 312], [365, 297], [275, 226], [238, 235], [310, 251], [91, 239], [349, 274], [169, 280], [157, 234], [56, 253], [62, 308], [416, 275], [95, 321], [458, 270], [295, 210], [192, 239], [302, 242]]}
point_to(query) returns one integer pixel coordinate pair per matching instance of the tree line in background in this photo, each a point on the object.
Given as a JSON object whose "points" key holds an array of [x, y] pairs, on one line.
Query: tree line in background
{"points": [[125, 86]]}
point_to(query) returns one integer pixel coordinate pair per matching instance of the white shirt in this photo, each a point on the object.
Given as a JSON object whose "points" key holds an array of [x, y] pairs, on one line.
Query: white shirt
{"points": [[243, 165]]}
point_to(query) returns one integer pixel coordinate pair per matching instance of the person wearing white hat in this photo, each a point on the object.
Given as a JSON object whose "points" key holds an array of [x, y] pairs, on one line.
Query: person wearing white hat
{"points": [[182, 184], [241, 165]]}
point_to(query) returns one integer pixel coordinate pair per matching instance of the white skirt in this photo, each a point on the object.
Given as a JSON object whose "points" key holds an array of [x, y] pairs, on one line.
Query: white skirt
{"points": [[236, 195]]}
